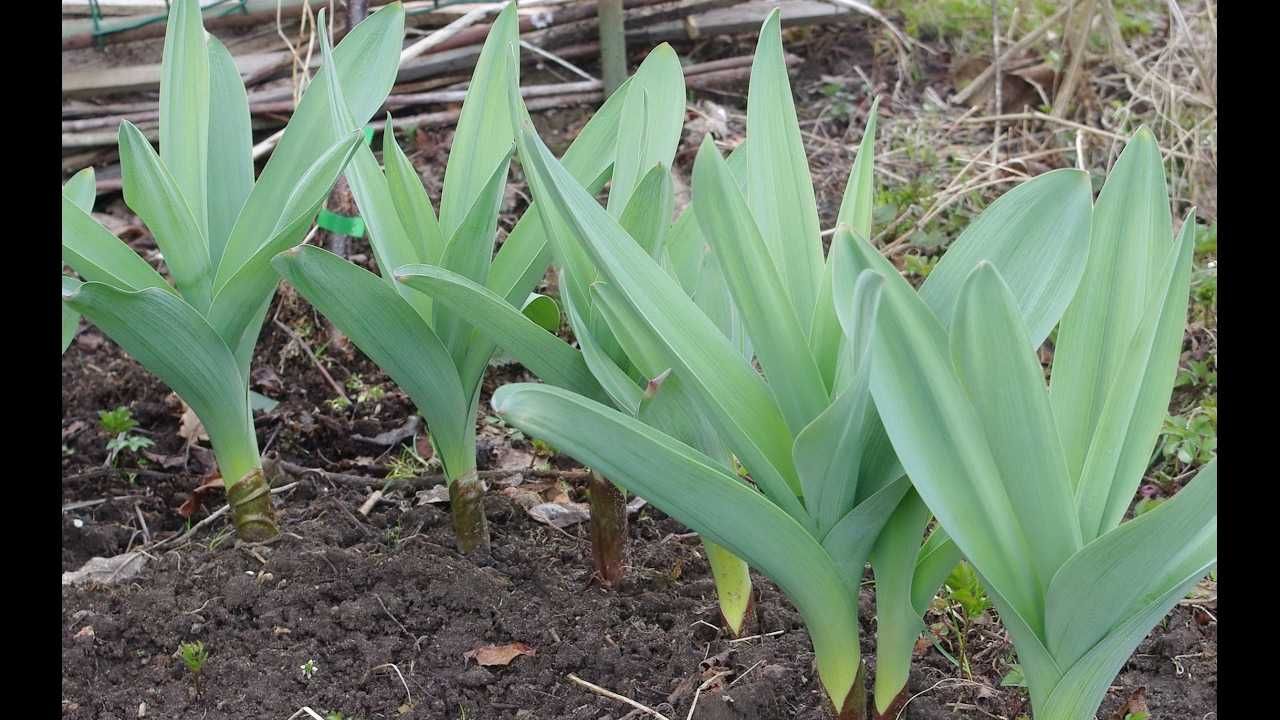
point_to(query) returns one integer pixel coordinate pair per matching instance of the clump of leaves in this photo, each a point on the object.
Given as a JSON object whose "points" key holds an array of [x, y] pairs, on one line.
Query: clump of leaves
{"points": [[408, 464], [118, 423], [964, 588], [364, 392], [1192, 438], [919, 265]]}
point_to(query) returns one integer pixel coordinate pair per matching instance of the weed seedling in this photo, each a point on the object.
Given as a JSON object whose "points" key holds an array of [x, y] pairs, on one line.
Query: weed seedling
{"points": [[118, 423], [194, 655], [309, 669]]}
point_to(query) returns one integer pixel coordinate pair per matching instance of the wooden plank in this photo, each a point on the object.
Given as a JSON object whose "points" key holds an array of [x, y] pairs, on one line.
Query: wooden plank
{"points": [[743, 17], [124, 7], [107, 81]]}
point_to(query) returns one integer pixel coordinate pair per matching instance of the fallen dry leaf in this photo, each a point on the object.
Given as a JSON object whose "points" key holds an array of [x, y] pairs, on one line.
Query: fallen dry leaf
{"points": [[560, 514], [488, 655], [1135, 705], [523, 497], [107, 570], [190, 429], [206, 489], [167, 462], [433, 495], [395, 435], [72, 429]]}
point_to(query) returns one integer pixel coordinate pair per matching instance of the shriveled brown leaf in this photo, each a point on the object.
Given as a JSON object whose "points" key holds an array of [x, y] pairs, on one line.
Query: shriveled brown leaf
{"points": [[560, 514], [489, 655], [395, 435], [523, 497], [207, 489], [191, 428], [422, 444], [107, 570], [167, 462], [433, 495], [1137, 703]]}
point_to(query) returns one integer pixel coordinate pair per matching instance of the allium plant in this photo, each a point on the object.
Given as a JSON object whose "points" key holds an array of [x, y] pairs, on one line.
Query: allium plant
{"points": [[827, 488], [217, 229]]}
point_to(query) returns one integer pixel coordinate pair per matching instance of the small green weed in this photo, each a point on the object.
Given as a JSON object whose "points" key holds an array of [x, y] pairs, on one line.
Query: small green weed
{"points": [[964, 589], [119, 423], [193, 656], [1191, 438]]}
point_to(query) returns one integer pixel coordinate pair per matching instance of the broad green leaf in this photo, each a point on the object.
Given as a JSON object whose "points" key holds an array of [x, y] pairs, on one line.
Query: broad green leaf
{"points": [[712, 296], [543, 311], [828, 451], [898, 621], [855, 212], [249, 337], [259, 402], [367, 60], [70, 318], [171, 340], [239, 300], [851, 538], [521, 262], [934, 563], [483, 135], [1132, 230], [184, 113], [775, 329], [652, 120], [387, 236], [689, 486], [615, 381], [685, 245], [1038, 665], [1138, 402], [647, 216], [82, 189], [1037, 236], [468, 254], [99, 256], [1082, 687], [1005, 384], [410, 198], [547, 356], [737, 400], [1098, 586], [859, 191], [732, 579], [939, 439], [779, 188], [230, 148], [153, 193], [390, 332]]}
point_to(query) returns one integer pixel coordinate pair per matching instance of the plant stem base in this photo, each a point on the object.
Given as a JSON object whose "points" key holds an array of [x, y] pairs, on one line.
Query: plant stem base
{"points": [[608, 529], [895, 707], [466, 504], [855, 705], [251, 511]]}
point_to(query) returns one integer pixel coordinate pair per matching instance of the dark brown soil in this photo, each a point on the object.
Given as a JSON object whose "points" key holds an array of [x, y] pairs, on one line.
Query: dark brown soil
{"points": [[386, 608]]}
